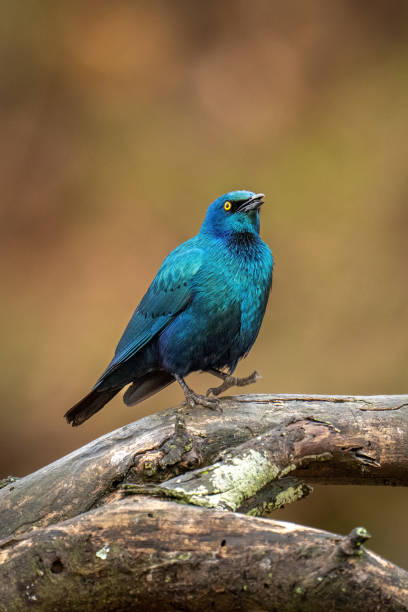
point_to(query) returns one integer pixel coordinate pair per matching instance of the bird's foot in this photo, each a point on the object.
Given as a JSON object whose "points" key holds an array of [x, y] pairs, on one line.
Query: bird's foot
{"points": [[195, 399], [234, 381]]}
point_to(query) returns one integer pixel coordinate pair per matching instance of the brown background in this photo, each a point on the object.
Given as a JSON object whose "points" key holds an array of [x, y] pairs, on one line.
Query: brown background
{"points": [[121, 121]]}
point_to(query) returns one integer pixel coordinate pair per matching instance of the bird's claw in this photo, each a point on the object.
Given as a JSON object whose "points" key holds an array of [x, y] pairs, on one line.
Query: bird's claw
{"points": [[233, 381], [195, 399]]}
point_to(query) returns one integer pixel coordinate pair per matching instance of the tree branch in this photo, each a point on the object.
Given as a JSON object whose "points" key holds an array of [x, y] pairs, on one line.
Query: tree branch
{"points": [[250, 467], [359, 430], [235, 460], [159, 555]]}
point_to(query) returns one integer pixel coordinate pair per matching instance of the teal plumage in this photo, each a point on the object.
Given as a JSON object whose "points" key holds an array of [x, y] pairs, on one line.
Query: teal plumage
{"points": [[203, 310]]}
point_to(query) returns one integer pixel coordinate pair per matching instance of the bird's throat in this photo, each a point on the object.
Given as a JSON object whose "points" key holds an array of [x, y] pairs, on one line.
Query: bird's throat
{"points": [[243, 241]]}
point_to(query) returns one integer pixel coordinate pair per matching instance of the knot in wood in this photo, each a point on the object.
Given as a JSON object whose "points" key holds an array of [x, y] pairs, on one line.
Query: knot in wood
{"points": [[352, 543]]}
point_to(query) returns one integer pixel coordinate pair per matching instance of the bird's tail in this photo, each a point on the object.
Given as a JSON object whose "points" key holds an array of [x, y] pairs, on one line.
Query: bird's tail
{"points": [[88, 405], [147, 385]]}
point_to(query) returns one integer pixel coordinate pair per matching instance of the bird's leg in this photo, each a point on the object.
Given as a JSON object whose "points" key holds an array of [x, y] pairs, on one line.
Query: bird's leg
{"points": [[231, 381], [192, 398]]}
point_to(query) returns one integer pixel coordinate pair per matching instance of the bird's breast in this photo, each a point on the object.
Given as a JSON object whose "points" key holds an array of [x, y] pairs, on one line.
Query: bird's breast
{"points": [[250, 265], [223, 317]]}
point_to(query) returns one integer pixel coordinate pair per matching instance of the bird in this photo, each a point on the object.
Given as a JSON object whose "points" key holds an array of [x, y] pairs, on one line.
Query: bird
{"points": [[202, 312]]}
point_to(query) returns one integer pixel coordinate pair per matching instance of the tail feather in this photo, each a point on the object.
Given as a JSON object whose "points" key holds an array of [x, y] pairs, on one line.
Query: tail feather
{"points": [[147, 385], [89, 405]]}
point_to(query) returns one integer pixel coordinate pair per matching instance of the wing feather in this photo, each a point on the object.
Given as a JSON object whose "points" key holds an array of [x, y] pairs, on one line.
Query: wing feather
{"points": [[169, 293]]}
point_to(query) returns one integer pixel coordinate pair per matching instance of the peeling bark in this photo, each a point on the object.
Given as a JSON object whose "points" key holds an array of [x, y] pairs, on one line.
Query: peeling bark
{"points": [[250, 467]]}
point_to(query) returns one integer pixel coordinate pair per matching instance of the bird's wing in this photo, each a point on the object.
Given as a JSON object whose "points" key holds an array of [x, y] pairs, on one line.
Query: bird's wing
{"points": [[169, 294]]}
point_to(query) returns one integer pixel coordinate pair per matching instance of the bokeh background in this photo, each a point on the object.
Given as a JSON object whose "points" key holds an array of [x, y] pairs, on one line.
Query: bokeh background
{"points": [[121, 121]]}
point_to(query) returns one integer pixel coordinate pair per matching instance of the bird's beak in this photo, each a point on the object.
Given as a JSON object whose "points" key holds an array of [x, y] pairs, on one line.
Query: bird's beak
{"points": [[253, 203]]}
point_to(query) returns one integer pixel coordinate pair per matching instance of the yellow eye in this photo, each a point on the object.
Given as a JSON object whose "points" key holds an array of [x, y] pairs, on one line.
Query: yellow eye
{"points": [[227, 205]]}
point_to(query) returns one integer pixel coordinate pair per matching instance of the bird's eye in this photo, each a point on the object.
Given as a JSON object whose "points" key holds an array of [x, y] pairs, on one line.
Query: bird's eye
{"points": [[227, 205]]}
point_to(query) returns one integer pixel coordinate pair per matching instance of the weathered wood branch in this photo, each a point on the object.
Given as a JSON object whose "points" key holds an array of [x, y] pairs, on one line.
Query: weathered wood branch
{"points": [[155, 555], [242, 472], [364, 440], [237, 459]]}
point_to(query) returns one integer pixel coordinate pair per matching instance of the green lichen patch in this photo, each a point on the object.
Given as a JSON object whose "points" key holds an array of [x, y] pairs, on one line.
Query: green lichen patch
{"points": [[6, 481], [103, 552], [288, 496]]}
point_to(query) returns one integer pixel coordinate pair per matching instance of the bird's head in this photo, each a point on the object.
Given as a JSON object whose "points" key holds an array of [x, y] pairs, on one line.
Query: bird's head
{"points": [[234, 212]]}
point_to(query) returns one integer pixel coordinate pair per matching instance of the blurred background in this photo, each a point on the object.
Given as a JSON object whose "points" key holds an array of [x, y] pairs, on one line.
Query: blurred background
{"points": [[121, 121]]}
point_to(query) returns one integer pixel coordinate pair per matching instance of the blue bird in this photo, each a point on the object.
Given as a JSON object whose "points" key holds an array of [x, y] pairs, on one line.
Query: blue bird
{"points": [[203, 311]]}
